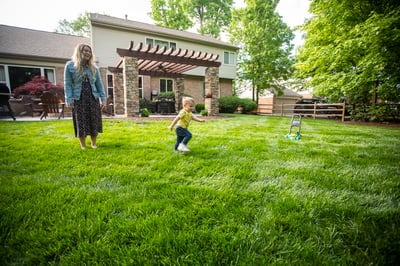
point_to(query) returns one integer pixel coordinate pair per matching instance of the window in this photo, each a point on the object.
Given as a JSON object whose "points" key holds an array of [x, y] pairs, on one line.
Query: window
{"points": [[2, 74], [166, 85], [15, 76], [140, 84], [161, 43], [21, 75], [110, 84], [49, 74], [229, 58]]}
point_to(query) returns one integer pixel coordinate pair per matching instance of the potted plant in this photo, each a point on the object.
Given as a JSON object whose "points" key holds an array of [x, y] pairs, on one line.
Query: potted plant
{"points": [[144, 112]]}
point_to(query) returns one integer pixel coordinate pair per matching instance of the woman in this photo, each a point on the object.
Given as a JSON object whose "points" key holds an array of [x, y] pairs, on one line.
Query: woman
{"points": [[83, 88]]}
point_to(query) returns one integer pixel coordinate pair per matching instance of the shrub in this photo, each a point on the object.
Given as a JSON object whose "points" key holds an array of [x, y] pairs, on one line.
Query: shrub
{"points": [[204, 112], [170, 95], [377, 113], [248, 105], [145, 112], [199, 107], [144, 103], [37, 86], [228, 104]]}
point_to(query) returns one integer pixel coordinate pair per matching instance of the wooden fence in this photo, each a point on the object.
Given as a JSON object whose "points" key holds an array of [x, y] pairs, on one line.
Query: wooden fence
{"points": [[316, 110]]}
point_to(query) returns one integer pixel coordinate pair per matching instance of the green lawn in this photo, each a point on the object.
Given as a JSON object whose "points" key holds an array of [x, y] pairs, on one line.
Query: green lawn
{"points": [[245, 195]]}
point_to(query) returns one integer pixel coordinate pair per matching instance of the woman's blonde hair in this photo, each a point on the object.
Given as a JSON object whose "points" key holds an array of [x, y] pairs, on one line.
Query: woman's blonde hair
{"points": [[78, 56]]}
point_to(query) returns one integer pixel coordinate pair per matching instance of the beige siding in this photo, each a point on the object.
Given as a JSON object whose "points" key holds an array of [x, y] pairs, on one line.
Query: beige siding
{"points": [[225, 87]]}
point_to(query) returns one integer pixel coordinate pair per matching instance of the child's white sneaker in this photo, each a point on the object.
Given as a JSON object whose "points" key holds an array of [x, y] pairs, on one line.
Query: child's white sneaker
{"points": [[182, 147]]}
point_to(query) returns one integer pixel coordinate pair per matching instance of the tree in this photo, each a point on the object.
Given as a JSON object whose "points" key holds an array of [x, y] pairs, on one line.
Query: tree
{"points": [[37, 86], [79, 27], [352, 50], [212, 16], [265, 41], [170, 14]]}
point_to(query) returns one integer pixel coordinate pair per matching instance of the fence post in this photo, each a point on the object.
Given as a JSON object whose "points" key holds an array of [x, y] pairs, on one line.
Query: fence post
{"points": [[282, 109], [343, 110], [315, 110]]}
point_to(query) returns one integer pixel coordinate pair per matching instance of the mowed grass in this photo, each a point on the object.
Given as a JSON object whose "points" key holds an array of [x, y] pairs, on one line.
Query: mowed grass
{"points": [[244, 195]]}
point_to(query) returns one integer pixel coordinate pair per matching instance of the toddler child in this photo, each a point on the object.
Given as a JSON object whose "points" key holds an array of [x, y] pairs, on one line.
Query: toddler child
{"points": [[182, 120]]}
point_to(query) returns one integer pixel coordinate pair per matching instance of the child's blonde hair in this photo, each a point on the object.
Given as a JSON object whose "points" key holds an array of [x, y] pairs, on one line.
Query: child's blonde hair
{"points": [[187, 100]]}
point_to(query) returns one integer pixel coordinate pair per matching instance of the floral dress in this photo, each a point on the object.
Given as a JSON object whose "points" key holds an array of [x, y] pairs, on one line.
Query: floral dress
{"points": [[87, 113]]}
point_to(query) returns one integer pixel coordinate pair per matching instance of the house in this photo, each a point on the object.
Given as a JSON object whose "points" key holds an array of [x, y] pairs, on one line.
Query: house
{"points": [[25, 53], [34, 52]]}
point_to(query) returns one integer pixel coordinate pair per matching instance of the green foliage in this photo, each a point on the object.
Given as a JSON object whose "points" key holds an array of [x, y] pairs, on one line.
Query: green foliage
{"points": [[170, 14], [145, 103], [248, 105], [379, 112], [166, 95], [244, 195], [204, 112], [212, 16], [199, 107], [351, 50], [264, 59], [228, 104], [145, 112], [79, 27]]}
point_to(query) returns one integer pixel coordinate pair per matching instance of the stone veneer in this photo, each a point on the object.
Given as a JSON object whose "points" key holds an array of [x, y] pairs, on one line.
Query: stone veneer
{"points": [[131, 86], [179, 90], [118, 94], [126, 89], [212, 85]]}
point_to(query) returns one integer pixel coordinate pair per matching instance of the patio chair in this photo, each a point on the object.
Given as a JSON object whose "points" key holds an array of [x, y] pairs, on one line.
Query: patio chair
{"points": [[4, 101], [51, 104], [31, 107], [108, 107]]}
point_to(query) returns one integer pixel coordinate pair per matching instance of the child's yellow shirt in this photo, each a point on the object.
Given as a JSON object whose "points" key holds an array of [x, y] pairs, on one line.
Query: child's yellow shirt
{"points": [[184, 118]]}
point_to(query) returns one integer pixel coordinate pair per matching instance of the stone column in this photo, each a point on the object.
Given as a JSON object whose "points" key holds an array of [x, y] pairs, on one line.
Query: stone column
{"points": [[179, 90], [212, 87], [131, 86], [118, 94]]}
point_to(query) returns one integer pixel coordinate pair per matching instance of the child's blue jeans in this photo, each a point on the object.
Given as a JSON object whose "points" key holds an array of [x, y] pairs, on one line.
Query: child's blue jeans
{"points": [[182, 136]]}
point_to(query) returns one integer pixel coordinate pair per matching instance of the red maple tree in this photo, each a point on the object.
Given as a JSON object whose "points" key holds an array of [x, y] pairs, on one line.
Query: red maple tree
{"points": [[37, 86]]}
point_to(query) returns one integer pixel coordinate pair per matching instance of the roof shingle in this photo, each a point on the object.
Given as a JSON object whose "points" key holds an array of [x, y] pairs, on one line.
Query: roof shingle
{"points": [[27, 42]]}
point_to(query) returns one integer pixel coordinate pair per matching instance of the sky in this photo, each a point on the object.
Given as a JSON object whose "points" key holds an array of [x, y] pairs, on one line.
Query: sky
{"points": [[45, 14]]}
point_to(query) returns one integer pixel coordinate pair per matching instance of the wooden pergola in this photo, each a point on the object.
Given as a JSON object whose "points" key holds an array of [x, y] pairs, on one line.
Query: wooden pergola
{"points": [[161, 62]]}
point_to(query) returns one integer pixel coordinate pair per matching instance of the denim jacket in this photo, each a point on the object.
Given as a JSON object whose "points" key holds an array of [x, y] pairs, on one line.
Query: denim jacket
{"points": [[73, 83]]}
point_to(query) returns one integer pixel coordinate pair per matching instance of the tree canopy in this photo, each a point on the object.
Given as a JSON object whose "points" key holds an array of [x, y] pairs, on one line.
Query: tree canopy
{"points": [[266, 45], [211, 16], [352, 50], [79, 26], [170, 14]]}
